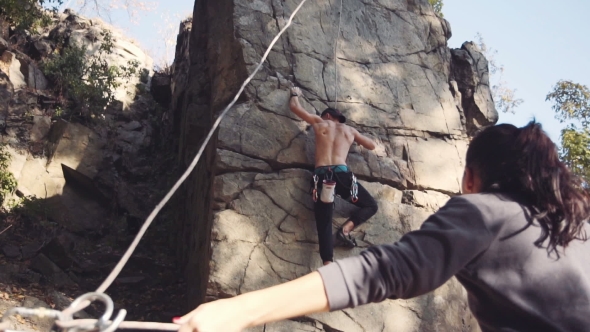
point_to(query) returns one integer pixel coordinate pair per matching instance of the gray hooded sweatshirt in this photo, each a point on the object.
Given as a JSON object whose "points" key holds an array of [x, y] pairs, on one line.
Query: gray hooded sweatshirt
{"points": [[487, 242]]}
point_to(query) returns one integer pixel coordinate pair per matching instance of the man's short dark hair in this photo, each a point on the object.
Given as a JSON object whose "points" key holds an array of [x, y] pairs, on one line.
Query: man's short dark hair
{"points": [[334, 113]]}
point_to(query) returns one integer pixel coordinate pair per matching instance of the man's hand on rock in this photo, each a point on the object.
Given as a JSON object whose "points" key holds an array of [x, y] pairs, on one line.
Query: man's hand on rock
{"points": [[295, 92]]}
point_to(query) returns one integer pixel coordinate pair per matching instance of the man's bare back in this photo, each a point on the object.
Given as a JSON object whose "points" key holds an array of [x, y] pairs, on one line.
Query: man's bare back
{"points": [[332, 138], [332, 142]]}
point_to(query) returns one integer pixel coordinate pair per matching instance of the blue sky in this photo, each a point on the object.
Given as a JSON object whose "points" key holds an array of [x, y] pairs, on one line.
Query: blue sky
{"points": [[149, 27], [537, 42]]}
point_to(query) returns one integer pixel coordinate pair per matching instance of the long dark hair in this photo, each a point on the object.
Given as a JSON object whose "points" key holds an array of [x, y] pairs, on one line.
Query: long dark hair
{"points": [[524, 163]]}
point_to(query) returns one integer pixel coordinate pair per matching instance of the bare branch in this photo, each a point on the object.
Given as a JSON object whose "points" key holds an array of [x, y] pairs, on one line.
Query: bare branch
{"points": [[504, 97]]}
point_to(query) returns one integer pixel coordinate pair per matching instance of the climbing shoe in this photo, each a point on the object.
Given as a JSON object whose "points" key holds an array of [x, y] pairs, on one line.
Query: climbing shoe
{"points": [[345, 240]]}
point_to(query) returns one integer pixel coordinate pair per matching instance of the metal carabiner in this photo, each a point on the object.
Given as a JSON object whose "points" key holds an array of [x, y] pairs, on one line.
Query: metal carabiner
{"points": [[354, 190], [102, 324], [314, 193]]}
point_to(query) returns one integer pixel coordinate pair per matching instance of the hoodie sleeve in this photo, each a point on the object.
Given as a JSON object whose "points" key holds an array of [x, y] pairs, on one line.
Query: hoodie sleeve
{"points": [[418, 263]]}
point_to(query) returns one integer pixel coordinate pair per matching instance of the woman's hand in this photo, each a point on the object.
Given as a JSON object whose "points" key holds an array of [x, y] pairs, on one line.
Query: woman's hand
{"points": [[217, 316], [295, 298]]}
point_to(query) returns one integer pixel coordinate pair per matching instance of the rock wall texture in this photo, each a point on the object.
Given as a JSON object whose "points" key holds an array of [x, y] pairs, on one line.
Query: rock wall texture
{"points": [[246, 219], [85, 184], [78, 168]]}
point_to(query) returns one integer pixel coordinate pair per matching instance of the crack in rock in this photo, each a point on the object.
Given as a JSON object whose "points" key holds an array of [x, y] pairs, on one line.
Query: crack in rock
{"points": [[246, 269], [284, 260], [352, 319], [261, 189], [286, 148], [447, 125], [324, 81], [272, 267], [412, 310]]}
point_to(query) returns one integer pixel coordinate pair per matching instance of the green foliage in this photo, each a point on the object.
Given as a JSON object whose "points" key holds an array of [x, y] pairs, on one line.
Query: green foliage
{"points": [[26, 14], [505, 98], [88, 82], [437, 5], [32, 209], [575, 150], [29, 206], [571, 102], [144, 76], [7, 181], [58, 112], [140, 88]]}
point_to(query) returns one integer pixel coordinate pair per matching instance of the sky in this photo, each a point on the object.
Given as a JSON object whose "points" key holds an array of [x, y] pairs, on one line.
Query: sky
{"points": [[537, 42], [155, 30]]}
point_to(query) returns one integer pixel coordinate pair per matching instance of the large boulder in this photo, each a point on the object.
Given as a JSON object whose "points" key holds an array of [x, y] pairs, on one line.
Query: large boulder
{"points": [[88, 33], [3, 45], [161, 89], [471, 72], [75, 155], [4, 27], [11, 66], [6, 93], [395, 84]]}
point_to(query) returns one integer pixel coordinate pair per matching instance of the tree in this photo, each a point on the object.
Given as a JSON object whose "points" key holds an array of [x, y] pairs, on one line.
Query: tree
{"points": [[103, 8], [164, 52], [24, 14], [86, 84], [437, 5], [571, 103], [7, 181], [504, 97]]}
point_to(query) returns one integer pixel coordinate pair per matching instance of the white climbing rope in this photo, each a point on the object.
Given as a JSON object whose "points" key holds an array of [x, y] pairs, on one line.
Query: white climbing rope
{"points": [[65, 321], [336, 59], [193, 164], [103, 324]]}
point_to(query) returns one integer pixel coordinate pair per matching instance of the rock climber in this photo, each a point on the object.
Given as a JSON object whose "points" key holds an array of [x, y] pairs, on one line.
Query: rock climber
{"points": [[333, 140]]}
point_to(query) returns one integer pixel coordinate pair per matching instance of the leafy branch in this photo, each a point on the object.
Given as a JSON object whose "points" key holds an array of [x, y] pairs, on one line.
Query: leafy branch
{"points": [[571, 103], [87, 84], [7, 181]]}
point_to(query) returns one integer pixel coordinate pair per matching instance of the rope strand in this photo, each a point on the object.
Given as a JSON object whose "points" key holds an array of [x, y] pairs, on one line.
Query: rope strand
{"points": [[109, 280], [336, 59], [193, 164]]}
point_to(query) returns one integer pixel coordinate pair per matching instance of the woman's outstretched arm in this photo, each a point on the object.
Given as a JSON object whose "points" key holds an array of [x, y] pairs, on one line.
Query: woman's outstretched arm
{"points": [[420, 262], [295, 298]]}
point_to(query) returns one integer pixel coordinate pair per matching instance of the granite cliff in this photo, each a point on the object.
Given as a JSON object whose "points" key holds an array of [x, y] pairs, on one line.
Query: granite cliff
{"points": [[245, 220]]}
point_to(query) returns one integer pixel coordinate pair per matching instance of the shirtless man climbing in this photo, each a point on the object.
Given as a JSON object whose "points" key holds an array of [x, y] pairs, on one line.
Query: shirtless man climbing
{"points": [[332, 141]]}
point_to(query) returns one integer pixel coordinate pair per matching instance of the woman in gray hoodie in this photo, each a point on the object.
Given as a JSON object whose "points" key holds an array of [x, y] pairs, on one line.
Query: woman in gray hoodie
{"points": [[515, 239]]}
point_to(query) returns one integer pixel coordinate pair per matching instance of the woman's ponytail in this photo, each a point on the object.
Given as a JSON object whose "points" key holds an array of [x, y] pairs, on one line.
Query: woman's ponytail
{"points": [[524, 163]]}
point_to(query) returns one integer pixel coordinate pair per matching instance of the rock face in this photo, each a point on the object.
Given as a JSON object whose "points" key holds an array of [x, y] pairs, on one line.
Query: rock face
{"points": [[398, 83], [69, 28], [88, 33], [85, 183], [77, 168], [470, 70]]}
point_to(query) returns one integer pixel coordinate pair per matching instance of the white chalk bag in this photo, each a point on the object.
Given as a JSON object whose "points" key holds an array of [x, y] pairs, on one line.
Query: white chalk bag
{"points": [[328, 191]]}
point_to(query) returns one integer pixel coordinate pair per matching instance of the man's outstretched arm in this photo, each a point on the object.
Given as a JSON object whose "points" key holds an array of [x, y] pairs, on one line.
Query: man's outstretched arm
{"points": [[363, 140], [296, 108]]}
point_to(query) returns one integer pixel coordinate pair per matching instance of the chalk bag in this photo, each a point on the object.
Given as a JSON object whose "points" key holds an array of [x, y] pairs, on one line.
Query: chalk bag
{"points": [[328, 190]]}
